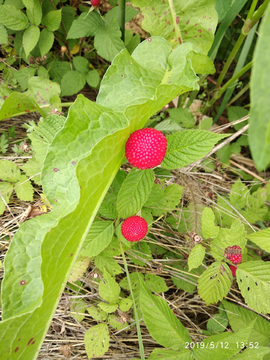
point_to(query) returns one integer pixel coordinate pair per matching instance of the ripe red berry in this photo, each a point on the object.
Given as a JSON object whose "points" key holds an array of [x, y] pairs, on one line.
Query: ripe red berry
{"points": [[233, 270], [134, 228], [234, 254], [146, 148], [95, 3]]}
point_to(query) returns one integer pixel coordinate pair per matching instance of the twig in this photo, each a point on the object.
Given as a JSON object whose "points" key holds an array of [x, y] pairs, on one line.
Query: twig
{"points": [[248, 171], [218, 147]]}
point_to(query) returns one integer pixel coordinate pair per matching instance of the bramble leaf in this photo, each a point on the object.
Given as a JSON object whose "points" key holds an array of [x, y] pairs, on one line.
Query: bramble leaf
{"points": [[96, 340], [196, 256]]}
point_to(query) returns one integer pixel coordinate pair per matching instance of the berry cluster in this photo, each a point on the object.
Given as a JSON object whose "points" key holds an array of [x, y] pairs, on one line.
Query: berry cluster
{"points": [[234, 254], [134, 228]]}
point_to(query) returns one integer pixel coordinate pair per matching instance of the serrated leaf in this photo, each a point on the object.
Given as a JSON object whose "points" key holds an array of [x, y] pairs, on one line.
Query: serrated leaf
{"points": [[72, 82], [97, 314], [9, 171], [98, 238], [133, 279], [139, 252], [6, 191], [46, 40], [215, 282], [92, 78], [163, 354], [34, 12], [183, 117], [108, 41], [105, 262], [259, 128], [13, 18], [209, 230], [24, 189], [239, 194], [115, 322], [169, 332], [261, 238], [79, 268], [23, 75], [85, 25], [96, 340], [239, 316], [108, 308], [30, 38], [53, 19], [258, 352], [109, 290], [3, 35], [134, 192], [167, 202], [253, 278], [196, 256], [125, 304], [223, 346], [81, 64], [180, 22], [78, 308], [188, 146], [155, 283]]}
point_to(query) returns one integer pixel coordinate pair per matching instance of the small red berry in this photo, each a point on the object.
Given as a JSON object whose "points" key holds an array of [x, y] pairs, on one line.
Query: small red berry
{"points": [[233, 270], [146, 148], [95, 3], [134, 228], [234, 254]]}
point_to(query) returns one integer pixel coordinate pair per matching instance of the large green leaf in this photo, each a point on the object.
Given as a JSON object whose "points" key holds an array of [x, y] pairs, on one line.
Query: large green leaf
{"points": [[261, 238], [181, 21], [30, 38], [85, 25], [259, 129], [12, 18], [80, 164]]}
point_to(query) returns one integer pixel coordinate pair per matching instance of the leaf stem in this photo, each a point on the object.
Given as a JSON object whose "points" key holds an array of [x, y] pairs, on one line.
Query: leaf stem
{"points": [[122, 17], [134, 304], [177, 29]]}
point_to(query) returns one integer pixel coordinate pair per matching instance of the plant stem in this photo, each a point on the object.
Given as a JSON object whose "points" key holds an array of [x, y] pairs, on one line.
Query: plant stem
{"points": [[122, 17], [226, 86], [134, 304], [241, 92], [259, 13]]}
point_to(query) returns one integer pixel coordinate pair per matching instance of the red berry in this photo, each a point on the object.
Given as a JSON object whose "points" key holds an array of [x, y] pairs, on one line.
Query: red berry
{"points": [[233, 270], [95, 3], [134, 228], [146, 148], [234, 254]]}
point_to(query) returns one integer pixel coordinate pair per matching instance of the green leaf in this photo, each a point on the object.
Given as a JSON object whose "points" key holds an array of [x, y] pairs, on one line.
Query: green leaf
{"points": [[85, 25], [81, 64], [261, 238], [52, 20], [180, 22], [24, 191], [183, 117], [72, 82], [140, 253], [9, 171], [168, 200], [34, 12], [254, 352], [12, 18], [188, 146], [77, 308], [98, 238], [45, 41], [218, 323], [239, 316], [223, 346], [196, 256], [108, 41], [109, 290], [57, 70], [116, 322], [108, 308], [103, 262], [239, 194], [30, 38], [209, 230], [96, 314], [129, 13], [163, 354], [17, 3], [134, 192], [236, 113], [41, 138], [96, 340], [215, 282], [253, 278], [259, 128], [79, 268], [155, 283], [3, 144], [6, 191], [169, 332], [92, 78], [125, 304], [23, 75], [3, 35]]}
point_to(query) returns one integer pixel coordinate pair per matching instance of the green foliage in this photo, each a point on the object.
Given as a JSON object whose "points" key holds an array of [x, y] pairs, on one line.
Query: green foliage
{"points": [[96, 340]]}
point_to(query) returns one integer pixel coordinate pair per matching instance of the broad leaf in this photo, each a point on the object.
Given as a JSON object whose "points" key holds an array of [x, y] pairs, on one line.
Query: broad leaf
{"points": [[261, 238], [253, 278], [134, 192], [188, 146], [3, 35], [209, 230], [92, 78], [72, 82], [169, 332], [85, 25], [52, 20], [196, 256], [215, 282], [259, 129], [9, 171], [45, 41], [24, 189], [109, 290], [34, 12], [30, 38], [180, 21], [81, 64], [96, 340], [12, 18], [155, 283]]}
